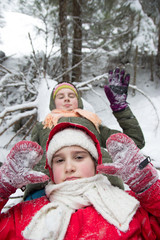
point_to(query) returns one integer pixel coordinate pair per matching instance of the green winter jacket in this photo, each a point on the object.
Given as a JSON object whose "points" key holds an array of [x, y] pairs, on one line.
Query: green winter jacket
{"points": [[125, 118]]}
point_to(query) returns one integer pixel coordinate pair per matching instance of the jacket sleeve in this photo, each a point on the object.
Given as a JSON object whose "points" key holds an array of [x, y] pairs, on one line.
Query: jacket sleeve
{"points": [[2, 203], [35, 133], [150, 199], [13, 222], [149, 211], [40, 135], [130, 126], [7, 227], [150, 202]]}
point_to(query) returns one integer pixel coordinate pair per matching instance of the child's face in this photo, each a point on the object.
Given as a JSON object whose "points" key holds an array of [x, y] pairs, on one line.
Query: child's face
{"points": [[66, 99], [71, 163]]}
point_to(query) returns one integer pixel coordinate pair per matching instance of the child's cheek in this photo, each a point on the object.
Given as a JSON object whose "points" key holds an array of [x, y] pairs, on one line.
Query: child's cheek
{"points": [[87, 171], [57, 173]]}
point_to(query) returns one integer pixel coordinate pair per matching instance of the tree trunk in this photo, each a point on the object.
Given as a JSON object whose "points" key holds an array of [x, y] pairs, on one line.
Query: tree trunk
{"points": [[77, 41], [151, 67], [135, 70], [158, 52], [63, 38]]}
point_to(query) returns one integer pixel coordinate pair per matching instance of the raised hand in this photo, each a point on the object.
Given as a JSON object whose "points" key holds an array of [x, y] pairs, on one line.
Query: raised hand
{"points": [[129, 163], [17, 169], [117, 89]]}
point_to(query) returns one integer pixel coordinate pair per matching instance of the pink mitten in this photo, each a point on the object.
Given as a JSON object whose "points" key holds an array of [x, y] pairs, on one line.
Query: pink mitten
{"points": [[129, 163], [17, 169]]}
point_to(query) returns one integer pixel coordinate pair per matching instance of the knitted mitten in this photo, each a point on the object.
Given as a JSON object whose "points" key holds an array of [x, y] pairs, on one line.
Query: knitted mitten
{"points": [[129, 163], [17, 169], [116, 90]]}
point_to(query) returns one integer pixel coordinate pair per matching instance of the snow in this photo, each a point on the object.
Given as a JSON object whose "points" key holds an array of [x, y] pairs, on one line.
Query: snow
{"points": [[146, 108], [17, 37], [146, 38], [15, 34], [135, 5]]}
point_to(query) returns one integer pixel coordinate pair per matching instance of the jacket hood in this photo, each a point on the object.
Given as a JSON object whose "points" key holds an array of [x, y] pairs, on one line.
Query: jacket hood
{"points": [[65, 125], [52, 102]]}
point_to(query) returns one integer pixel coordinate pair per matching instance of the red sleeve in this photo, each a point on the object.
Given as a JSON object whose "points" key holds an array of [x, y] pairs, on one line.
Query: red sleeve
{"points": [[7, 225], [150, 199], [150, 203], [2, 203], [14, 221]]}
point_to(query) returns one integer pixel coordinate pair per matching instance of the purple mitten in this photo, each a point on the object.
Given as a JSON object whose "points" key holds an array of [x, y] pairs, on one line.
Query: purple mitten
{"points": [[116, 90]]}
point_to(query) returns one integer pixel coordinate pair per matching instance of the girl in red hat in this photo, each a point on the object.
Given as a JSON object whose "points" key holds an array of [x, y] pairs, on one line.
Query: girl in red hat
{"points": [[79, 201]]}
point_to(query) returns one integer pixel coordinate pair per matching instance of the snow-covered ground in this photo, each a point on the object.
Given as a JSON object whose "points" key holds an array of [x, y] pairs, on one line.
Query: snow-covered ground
{"points": [[145, 105]]}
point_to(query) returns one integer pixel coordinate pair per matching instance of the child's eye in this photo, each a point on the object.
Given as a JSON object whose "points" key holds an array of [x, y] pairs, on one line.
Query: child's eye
{"points": [[79, 157], [72, 95], [58, 161], [60, 97]]}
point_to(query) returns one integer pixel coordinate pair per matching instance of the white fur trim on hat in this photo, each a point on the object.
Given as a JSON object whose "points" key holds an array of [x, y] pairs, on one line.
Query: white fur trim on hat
{"points": [[70, 137]]}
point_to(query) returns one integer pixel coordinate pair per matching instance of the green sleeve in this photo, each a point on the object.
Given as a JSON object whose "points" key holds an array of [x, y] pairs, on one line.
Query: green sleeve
{"points": [[35, 133], [40, 135], [130, 126], [105, 133]]}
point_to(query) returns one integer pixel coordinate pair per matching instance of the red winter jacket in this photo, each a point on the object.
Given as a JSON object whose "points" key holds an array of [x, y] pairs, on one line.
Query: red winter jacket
{"points": [[87, 223]]}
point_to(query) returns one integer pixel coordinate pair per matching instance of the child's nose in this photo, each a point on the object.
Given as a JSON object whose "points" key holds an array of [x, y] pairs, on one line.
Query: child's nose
{"points": [[66, 98], [70, 166]]}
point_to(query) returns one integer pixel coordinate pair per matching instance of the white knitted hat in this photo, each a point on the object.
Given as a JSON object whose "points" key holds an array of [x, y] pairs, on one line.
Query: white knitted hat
{"points": [[69, 137]]}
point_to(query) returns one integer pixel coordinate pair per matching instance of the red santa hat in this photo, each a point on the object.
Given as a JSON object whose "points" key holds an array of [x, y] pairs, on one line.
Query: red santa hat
{"points": [[69, 134]]}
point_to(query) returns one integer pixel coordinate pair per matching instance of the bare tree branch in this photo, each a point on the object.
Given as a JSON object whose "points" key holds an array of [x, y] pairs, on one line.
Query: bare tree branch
{"points": [[31, 127], [17, 118], [98, 78], [5, 68], [8, 110], [20, 130]]}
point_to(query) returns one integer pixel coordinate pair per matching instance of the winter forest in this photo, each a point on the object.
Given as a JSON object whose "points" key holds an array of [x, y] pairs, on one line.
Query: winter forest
{"points": [[45, 42]]}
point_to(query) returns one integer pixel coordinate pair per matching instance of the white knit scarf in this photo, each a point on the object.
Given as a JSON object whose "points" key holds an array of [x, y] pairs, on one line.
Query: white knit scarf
{"points": [[51, 221]]}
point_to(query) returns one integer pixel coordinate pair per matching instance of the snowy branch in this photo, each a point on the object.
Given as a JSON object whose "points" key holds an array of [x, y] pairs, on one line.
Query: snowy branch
{"points": [[11, 85], [97, 78], [28, 123], [6, 69], [25, 106], [16, 118], [19, 93]]}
